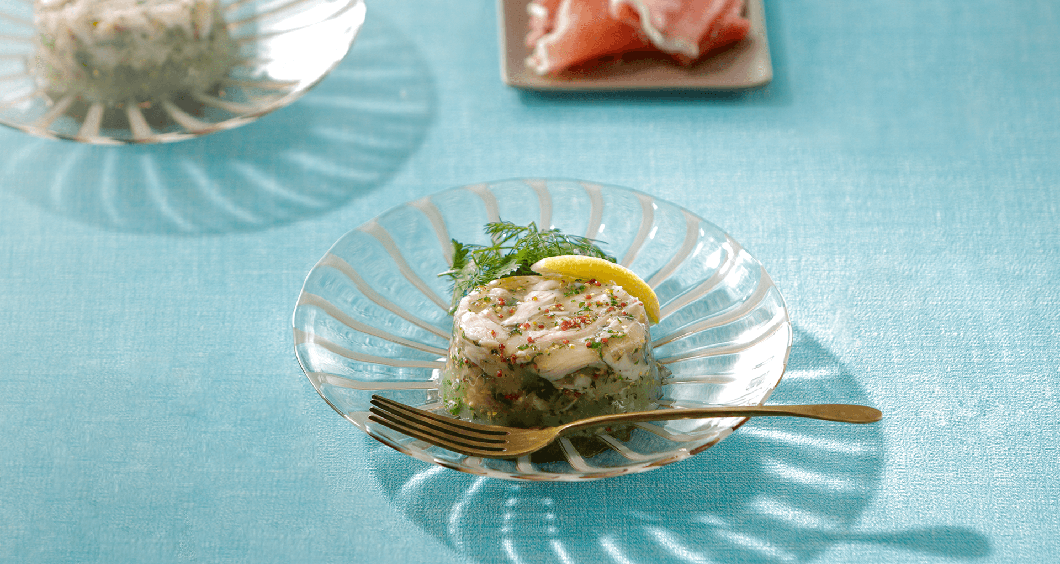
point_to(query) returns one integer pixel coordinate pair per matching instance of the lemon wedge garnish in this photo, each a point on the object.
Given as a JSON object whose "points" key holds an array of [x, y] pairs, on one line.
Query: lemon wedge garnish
{"points": [[578, 266]]}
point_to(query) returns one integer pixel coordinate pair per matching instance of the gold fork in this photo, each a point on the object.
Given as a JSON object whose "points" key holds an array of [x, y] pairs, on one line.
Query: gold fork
{"points": [[494, 441]]}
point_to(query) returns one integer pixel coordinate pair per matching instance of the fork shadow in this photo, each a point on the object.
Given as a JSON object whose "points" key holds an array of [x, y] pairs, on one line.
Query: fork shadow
{"points": [[777, 490], [343, 139]]}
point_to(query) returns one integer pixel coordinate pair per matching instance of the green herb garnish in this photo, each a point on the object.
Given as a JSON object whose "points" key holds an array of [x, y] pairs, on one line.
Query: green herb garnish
{"points": [[514, 249], [574, 289]]}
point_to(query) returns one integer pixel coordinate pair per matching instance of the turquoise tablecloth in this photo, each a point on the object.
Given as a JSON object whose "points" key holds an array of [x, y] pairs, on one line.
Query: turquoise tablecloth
{"points": [[898, 179]]}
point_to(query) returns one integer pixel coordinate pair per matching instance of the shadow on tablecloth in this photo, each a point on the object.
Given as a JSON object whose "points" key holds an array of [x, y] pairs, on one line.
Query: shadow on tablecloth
{"points": [[339, 142], [776, 490]]}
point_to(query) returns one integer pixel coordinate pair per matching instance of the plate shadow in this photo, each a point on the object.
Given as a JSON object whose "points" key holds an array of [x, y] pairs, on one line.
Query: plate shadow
{"points": [[345, 138], [777, 490]]}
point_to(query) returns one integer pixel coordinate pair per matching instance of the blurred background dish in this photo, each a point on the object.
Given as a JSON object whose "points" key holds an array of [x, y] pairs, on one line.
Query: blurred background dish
{"points": [[743, 65], [274, 52], [373, 317]]}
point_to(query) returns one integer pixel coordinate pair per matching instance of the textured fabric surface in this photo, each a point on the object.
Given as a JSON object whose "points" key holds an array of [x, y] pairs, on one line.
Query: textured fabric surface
{"points": [[898, 179]]}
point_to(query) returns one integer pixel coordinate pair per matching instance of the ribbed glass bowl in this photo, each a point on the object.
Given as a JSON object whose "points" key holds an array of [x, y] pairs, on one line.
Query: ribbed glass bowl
{"points": [[284, 48], [372, 316]]}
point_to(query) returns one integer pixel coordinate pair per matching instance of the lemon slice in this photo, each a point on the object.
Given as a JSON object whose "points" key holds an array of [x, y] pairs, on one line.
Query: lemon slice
{"points": [[583, 267]]}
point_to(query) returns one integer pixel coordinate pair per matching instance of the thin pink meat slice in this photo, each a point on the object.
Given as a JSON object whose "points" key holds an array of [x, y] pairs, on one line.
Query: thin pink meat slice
{"points": [[686, 29], [577, 32], [542, 17]]}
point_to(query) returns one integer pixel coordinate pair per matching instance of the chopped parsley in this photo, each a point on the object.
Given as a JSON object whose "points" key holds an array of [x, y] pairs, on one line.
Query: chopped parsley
{"points": [[573, 289]]}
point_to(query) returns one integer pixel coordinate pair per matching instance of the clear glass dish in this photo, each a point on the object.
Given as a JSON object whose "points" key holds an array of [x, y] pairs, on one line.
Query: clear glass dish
{"points": [[372, 316], [284, 47]]}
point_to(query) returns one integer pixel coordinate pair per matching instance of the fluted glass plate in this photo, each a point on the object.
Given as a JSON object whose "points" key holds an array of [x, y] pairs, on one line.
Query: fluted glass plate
{"points": [[372, 316], [285, 47]]}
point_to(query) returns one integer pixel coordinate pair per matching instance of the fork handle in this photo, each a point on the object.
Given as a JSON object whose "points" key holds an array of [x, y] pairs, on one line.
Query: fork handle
{"points": [[843, 413]]}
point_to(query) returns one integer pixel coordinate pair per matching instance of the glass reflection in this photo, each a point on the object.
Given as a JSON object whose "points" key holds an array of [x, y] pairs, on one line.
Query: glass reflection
{"points": [[776, 491]]}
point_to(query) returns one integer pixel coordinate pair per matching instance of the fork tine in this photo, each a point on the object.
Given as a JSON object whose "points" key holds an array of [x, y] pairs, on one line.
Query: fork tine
{"points": [[456, 425], [438, 428], [433, 437]]}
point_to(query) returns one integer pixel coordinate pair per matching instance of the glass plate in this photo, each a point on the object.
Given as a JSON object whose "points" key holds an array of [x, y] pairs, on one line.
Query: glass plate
{"points": [[285, 48], [372, 316]]}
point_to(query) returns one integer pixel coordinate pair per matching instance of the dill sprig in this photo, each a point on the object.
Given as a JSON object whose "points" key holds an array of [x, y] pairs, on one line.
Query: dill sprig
{"points": [[514, 249]]}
